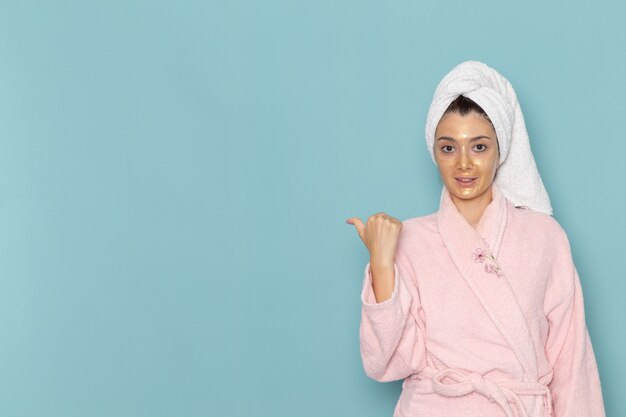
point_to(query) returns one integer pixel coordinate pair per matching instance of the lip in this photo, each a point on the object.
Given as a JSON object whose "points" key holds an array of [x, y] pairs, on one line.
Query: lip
{"points": [[465, 183]]}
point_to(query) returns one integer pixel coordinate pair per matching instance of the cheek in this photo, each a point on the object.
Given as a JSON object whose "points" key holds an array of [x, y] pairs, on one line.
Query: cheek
{"points": [[493, 162], [487, 163], [445, 165]]}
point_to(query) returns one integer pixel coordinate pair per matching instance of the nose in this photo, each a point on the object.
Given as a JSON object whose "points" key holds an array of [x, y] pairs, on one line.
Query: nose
{"points": [[464, 160]]}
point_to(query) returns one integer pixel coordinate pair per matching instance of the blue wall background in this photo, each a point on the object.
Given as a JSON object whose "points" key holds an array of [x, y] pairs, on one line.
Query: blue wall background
{"points": [[175, 176]]}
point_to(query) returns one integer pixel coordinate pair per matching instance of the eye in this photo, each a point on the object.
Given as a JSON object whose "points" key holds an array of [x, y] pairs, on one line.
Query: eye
{"points": [[444, 148], [484, 147]]}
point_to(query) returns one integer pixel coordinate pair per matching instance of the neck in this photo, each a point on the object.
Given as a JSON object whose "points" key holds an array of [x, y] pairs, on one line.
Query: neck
{"points": [[474, 208]]}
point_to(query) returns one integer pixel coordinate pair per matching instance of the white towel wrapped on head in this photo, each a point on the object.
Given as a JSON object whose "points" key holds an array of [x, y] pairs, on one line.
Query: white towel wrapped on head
{"points": [[517, 175]]}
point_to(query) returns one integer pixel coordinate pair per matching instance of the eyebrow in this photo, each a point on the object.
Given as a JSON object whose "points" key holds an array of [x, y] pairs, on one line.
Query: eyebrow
{"points": [[471, 140]]}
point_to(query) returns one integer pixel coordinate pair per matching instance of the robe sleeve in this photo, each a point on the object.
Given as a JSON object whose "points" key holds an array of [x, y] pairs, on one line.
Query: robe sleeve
{"points": [[392, 340], [575, 386]]}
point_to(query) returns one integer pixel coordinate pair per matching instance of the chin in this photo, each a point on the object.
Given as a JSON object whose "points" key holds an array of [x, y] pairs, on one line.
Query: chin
{"points": [[467, 193]]}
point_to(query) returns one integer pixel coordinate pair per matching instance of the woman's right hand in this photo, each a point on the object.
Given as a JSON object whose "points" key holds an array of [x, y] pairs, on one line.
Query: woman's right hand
{"points": [[380, 236]]}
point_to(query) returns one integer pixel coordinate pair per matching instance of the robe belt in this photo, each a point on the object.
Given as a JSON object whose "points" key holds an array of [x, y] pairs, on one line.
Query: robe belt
{"points": [[501, 392]]}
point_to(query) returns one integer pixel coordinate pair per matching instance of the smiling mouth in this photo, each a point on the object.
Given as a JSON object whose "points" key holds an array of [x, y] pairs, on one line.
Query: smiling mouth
{"points": [[465, 181]]}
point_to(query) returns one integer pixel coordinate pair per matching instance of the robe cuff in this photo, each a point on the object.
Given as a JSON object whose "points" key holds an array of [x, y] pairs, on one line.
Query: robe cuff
{"points": [[367, 293]]}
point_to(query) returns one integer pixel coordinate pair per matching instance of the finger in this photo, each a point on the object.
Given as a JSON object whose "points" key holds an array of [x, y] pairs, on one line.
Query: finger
{"points": [[358, 224], [379, 214]]}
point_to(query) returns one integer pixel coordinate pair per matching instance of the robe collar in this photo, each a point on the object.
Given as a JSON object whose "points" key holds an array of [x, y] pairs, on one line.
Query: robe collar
{"points": [[475, 254], [492, 223]]}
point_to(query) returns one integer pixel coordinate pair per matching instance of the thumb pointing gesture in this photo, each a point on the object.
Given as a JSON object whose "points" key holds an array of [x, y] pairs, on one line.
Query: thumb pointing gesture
{"points": [[359, 226]]}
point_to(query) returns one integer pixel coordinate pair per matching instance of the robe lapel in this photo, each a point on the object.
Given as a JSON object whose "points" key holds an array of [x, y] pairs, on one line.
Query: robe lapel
{"points": [[475, 252]]}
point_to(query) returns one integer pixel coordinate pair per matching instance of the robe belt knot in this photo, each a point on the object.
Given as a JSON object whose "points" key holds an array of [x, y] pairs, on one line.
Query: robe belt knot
{"points": [[501, 392]]}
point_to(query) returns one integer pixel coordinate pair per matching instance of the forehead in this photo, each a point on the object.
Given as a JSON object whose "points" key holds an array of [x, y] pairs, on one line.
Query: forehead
{"points": [[454, 124]]}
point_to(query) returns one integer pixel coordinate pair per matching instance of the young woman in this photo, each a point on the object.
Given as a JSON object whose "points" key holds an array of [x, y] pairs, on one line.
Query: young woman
{"points": [[478, 306]]}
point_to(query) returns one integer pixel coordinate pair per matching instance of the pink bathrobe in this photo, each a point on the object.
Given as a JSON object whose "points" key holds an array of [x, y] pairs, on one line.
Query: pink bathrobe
{"points": [[483, 322]]}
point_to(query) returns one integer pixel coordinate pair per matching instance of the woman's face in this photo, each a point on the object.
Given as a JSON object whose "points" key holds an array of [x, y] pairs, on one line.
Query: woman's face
{"points": [[466, 147]]}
